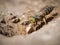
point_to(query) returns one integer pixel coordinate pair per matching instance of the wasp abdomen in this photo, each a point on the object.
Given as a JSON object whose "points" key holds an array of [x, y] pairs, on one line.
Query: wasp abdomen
{"points": [[47, 10]]}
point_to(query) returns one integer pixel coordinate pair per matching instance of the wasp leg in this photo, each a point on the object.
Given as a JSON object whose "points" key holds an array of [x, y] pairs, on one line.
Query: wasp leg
{"points": [[34, 28], [53, 16], [44, 20]]}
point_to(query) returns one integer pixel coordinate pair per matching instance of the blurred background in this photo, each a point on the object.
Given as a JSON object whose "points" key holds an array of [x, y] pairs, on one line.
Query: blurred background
{"points": [[48, 35]]}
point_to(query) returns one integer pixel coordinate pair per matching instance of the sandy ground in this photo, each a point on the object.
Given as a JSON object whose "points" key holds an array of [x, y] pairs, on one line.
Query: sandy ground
{"points": [[48, 35]]}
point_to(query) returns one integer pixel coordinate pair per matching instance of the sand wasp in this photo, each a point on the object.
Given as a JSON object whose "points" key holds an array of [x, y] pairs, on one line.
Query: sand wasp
{"points": [[40, 17]]}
